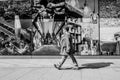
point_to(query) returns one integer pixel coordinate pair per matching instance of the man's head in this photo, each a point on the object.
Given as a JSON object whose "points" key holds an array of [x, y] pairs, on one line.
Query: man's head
{"points": [[66, 29]]}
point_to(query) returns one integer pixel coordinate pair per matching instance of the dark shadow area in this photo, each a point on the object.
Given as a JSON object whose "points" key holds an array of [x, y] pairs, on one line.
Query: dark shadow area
{"points": [[68, 68], [96, 65], [91, 66]]}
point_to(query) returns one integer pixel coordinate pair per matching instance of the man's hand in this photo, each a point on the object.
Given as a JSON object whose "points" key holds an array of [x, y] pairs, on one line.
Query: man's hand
{"points": [[51, 5]]}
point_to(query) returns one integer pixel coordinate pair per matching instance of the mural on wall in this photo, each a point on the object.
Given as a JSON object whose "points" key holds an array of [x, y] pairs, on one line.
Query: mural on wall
{"points": [[35, 27]]}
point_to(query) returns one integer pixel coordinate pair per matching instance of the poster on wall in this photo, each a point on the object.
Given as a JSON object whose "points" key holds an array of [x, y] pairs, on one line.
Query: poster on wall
{"points": [[35, 27]]}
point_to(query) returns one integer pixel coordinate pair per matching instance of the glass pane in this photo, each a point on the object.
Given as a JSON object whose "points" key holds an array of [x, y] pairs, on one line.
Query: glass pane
{"points": [[109, 27], [15, 22]]}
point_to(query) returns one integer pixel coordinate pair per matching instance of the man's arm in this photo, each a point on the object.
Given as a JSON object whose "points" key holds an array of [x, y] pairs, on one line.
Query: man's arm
{"points": [[67, 44], [52, 5], [60, 4]]}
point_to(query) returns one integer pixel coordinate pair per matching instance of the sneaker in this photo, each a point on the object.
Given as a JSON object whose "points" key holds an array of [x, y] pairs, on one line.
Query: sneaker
{"points": [[57, 66]]}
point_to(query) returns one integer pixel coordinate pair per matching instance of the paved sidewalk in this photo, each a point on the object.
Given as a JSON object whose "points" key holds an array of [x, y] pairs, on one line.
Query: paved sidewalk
{"points": [[42, 69]]}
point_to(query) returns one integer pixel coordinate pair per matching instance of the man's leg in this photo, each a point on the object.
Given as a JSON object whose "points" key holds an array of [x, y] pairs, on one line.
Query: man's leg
{"points": [[74, 60], [62, 62]]}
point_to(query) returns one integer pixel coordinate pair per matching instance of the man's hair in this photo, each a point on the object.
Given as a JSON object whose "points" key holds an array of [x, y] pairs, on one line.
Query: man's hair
{"points": [[66, 28]]}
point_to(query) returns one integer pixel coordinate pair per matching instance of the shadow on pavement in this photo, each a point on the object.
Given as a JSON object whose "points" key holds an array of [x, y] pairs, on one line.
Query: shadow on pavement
{"points": [[96, 65], [92, 66]]}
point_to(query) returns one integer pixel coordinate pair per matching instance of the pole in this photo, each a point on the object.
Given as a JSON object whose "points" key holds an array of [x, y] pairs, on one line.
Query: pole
{"points": [[99, 47], [94, 5]]}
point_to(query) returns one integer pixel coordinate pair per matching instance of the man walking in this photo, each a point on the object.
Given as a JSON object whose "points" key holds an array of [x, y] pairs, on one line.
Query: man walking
{"points": [[67, 49]]}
